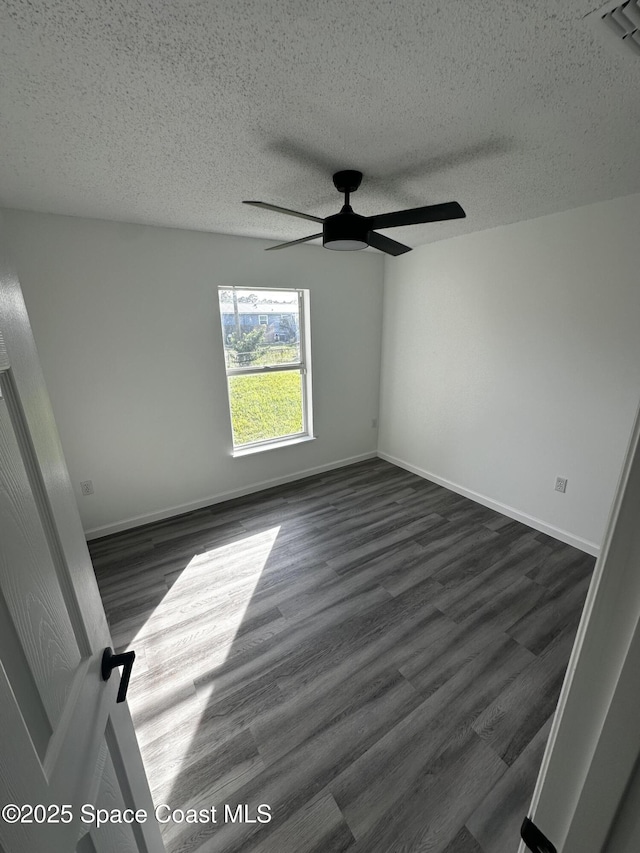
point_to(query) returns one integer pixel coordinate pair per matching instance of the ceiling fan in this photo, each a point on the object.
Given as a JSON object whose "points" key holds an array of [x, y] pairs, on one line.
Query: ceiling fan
{"points": [[348, 231]]}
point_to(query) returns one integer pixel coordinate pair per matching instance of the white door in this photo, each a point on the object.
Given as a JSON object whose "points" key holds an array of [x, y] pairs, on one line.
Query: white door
{"points": [[67, 747], [587, 792]]}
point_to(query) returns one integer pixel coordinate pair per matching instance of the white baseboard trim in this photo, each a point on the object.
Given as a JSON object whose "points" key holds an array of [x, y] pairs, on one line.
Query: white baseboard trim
{"points": [[139, 520], [529, 520]]}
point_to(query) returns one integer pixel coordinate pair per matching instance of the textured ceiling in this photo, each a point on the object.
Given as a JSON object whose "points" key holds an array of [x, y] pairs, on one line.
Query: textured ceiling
{"points": [[171, 112]]}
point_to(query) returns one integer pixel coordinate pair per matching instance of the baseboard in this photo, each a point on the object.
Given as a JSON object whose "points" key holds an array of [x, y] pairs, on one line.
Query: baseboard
{"points": [[139, 520], [529, 520]]}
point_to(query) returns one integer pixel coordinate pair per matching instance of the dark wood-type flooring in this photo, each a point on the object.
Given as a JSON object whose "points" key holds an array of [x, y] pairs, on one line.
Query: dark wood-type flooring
{"points": [[372, 656]]}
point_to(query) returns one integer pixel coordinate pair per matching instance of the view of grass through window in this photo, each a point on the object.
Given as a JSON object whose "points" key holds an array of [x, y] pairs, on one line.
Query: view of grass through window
{"points": [[263, 407], [264, 356]]}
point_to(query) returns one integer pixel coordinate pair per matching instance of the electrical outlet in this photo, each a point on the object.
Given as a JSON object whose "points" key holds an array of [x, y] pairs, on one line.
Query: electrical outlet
{"points": [[86, 487], [561, 484]]}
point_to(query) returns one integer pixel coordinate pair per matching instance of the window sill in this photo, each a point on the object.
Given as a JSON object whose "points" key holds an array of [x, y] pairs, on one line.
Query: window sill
{"points": [[273, 445]]}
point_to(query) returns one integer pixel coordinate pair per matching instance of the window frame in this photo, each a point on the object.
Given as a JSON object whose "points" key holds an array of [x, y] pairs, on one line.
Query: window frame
{"points": [[303, 365]]}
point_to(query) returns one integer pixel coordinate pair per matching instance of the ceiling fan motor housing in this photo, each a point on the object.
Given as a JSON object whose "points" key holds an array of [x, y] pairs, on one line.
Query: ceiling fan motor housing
{"points": [[346, 230]]}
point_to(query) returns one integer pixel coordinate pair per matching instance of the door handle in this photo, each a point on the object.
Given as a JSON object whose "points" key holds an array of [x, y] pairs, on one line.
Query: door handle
{"points": [[110, 661]]}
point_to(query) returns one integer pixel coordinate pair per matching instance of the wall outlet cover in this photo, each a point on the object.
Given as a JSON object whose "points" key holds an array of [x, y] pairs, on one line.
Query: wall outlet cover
{"points": [[86, 487]]}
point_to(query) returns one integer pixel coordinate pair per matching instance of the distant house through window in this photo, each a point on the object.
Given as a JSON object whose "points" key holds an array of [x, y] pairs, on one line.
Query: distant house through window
{"points": [[266, 351]]}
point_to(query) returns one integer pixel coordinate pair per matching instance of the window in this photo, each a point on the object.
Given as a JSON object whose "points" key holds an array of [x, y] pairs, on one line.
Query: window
{"points": [[266, 351]]}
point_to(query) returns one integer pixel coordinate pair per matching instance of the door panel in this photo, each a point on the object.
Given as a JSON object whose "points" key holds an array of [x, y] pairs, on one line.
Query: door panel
{"points": [[22, 682], [32, 596]]}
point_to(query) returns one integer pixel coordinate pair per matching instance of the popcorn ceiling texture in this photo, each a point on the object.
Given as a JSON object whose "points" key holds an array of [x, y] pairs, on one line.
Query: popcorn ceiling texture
{"points": [[171, 113]]}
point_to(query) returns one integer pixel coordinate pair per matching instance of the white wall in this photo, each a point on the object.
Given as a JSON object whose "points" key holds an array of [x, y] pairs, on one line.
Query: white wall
{"points": [[511, 356], [126, 324]]}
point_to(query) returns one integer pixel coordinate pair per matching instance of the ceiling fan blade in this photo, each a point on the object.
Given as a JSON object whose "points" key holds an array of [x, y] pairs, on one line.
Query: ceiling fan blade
{"points": [[432, 213], [386, 244], [284, 210], [293, 242]]}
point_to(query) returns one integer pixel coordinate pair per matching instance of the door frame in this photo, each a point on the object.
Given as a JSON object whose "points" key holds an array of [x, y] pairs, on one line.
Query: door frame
{"points": [[73, 762], [595, 737]]}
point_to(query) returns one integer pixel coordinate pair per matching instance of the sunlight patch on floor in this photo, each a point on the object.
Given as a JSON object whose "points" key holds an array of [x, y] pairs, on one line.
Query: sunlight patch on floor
{"points": [[189, 634]]}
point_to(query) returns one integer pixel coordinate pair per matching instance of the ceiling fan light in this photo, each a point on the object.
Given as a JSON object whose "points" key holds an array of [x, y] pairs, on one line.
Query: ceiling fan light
{"points": [[345, 231], [345, 245]]}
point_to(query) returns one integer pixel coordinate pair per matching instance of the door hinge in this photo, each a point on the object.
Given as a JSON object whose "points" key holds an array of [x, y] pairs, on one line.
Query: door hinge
{"points": [[535, 839]]}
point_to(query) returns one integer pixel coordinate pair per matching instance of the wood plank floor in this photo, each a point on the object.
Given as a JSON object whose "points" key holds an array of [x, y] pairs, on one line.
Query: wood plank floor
{"points": [[374, 657]]}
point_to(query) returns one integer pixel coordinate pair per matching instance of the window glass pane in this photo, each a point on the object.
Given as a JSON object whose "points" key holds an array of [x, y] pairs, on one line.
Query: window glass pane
{"points": [[260, 327], [265, 406]]}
